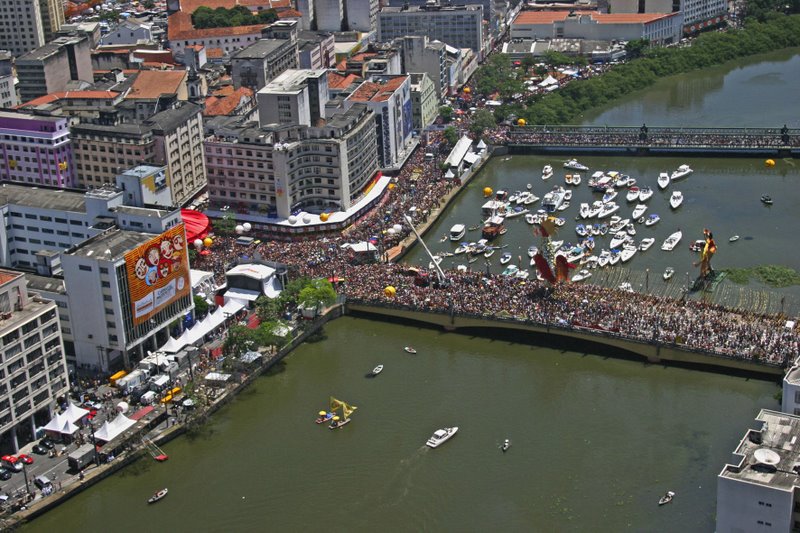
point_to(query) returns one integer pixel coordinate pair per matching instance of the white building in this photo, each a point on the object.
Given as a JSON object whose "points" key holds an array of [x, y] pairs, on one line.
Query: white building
{"points": [[699, 14], [8, 92], [33, 369], [329, 14], [128, 32], [362, 15], [756, 491], [306, 9], [430, 57], [297, 97], [790, 400]]}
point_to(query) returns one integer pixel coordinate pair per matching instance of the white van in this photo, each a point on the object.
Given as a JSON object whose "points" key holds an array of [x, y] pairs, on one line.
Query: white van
{"points": [[147, 398]]}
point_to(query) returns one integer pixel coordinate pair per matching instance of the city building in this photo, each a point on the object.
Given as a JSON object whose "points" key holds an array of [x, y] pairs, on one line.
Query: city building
{"points": [[8, 92], [658, 28], [701, 14], [306, 9], [150, 87], [145, 185], [361, 15], [261, 62], [390, 98], [315, 50], [790, 399], [52, 13], [329, 15], [756, 490], [102, 151], [490, 10], [129, 32], [424, 101], [54, 67], [458, 26], [264, 174], [21, 26], [421, 55], [181, 34], [36, 150], [294, 97], [33, 369], [381, 61]]}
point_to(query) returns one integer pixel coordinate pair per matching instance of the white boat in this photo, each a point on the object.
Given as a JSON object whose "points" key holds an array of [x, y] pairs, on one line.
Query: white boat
{"points": [[436, 261], [505, 446], [672, 241], [553, 199], [620, 238], [645, 193], [532, 251], [574, 165], [676, 199], [603, 258], [615, 257], [530, 218], [663, 180], [734, 238], [547, 172], [440, 436], [463, 247], [576, 179], [568, 195], [638, 211], [630, 229], [560, 222], [564, 206], [608, 210], [633, 194], [646, 244], [581, 275], [510, 270], [410, 349], [522, 274], [666, 498], [682, 172], [652, 219], [521, 197], [581, 230], [457, 232], [609, 195], [516, 212], [628, 251], [488, 253], [531, 199], [505, 258], [618, 224], [158, 495], [668, 273], [377, 370], [584, 210]]}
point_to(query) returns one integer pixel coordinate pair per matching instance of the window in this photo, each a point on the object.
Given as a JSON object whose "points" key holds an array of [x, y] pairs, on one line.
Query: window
{"points": [[85, 268]]}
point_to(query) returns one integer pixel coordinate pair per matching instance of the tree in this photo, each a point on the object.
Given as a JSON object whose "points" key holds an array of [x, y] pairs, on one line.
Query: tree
{"points": [[239, 340], [446, 112], [636, 47], [225, 225], [482, 120], [268, 308], [450, 135], [318, 292], [200, 306]]}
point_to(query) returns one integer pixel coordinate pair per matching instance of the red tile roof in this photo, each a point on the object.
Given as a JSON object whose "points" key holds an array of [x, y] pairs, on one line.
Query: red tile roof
{"points": [[68, 95], [377, 92], [338, 81], [289, 14], [549, 17], [215, 53], [227, 104], [150, 84]]}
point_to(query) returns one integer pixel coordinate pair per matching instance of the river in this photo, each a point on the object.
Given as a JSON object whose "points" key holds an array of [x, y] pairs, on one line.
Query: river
{"points": [[595, 439]]}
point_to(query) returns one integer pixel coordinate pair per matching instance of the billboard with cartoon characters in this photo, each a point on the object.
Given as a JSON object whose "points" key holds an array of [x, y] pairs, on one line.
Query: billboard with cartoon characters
{"points": [[158, 273]]}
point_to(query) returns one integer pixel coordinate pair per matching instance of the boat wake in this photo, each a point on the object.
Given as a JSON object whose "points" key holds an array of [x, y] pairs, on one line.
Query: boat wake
{"points": [[400, 482]]}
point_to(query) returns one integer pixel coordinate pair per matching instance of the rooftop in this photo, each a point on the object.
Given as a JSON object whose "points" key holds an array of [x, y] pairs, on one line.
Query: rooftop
{"points": [[179, 27], [171, 119], [27, 116], [110, 245], [549, 17], [46, 283], [337, 81], [142, 211], [71, 95], [50, 49], [42, 198], [150, 84], [769, 455], [370, 91], [292, 80], [227, 103]]}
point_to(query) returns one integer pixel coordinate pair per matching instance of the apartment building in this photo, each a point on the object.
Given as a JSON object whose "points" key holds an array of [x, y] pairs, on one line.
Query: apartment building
{"points": [[103, 151], [296, 97], [422, 55], [52, 67], [459, 26], [424, 101], [263, 61], [8, 92], [36, 150]]}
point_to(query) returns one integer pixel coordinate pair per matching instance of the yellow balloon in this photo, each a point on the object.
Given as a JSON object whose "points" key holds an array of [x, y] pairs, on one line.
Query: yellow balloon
{"points": [[322, 413], [467, 90], [324, 217], [389, 291], [391, 186], [335, 418], [521, 122], [487, 191], [770, 162], [207, 242]]}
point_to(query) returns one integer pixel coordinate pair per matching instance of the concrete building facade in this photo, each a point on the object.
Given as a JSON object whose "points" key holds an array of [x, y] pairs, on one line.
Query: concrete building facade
{"points": [[296, 97], [50, 68], [424, 100], [421, 55], [36, 150], [459, 26], [262, 61], [361, 15], [658, 28], [329, 15], [8, 91], [21, 26]]}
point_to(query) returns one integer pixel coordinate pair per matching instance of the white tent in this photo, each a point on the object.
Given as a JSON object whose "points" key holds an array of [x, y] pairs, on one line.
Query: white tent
{"points": [[110, 430], [550, 80], [449, 174], [61, 424], [211, 322], [75, 413]]}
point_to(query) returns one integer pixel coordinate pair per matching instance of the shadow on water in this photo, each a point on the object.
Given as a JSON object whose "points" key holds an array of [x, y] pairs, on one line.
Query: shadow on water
{"points": [[317, 336], [277, 368], [137, 468]]}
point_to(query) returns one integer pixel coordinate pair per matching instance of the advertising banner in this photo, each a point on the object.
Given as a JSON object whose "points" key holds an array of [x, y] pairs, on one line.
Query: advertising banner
{"points": [[158, 273]]}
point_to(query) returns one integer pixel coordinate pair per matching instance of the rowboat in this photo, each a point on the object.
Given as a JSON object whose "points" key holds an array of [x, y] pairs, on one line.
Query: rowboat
{"points": [[158, 495], [409, 349]]}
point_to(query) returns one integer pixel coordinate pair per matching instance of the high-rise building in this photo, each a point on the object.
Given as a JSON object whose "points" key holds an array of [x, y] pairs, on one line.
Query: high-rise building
{"points": [[262, 61], [296, 97], [36, 150], [52, 12], [329, 14], [51, 67], [33, 368], [424, 100], [361, 15], [422, 55], [21, 27], [459, 26], [8, 92]]}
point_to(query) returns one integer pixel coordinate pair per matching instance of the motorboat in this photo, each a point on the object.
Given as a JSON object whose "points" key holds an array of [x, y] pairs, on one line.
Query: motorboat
{"points": [[620, 238], [434, 263], [564, 206], [324, 416], [603, 258], [532, 251], [505, 446], [615, 257], [522, 197], [553, 199], [698, 245], [734, 238], [410, 349], [618, 224], [560, 222], [530, 218], [158, 496], [513, 198], [608, 210], [530, 199], [645, 193], [573, 164], [676, 199], [457, 232], [589, 261], [646, 244], [626, 286], [630, 229], [672, 241], [668, 273], [576, 179], [581, 230], [627, 252], [599, 181], [505, 258], [517, 211], [547, 172], [568, 195], [609, 195], [584, 210], [663, 180], [568, 179], [666, 498], [337, 423], [440, 436], [766, 199], [638, 211], [489, 252], [603, 229], [522, 274], [633, 194], [377, 370], [581, 275], [682, 172], [652, 219], [462, 248], [510, 270]]}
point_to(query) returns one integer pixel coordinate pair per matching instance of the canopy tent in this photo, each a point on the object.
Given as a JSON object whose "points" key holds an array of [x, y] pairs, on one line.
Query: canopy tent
{"points": [[61, 424], [211, 322], [196, 223], [75, 413], [550, 80], [110, 430]]}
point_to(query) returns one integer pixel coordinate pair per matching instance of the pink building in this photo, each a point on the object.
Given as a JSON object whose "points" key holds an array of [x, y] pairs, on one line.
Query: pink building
{"points": [[36, 150]]}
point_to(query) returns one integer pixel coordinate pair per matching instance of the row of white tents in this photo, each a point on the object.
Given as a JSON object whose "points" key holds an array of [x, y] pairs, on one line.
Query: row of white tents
{"points": [[66, 423]]}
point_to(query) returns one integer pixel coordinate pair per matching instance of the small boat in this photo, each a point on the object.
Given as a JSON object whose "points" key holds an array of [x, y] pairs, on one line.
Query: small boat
{"points": [[457, 232], [505, 258], [652, 219], [336, 423], [576, 179], [410, 349], [618, 224], [682, 172], [630, 229], [766, 199], [324, 417], [443, 239], [488, 253], [529, 186], [663, 180], [698, 245], [158, 496], [440, 436], [505, 446], [615, 257], [581, 275], [672, 241], [734, 238], [676, 199], [646, 244], [377, 370], [633, 194], [531, 199], [510, 270], [568, 179], [573, 164], [603, 258], [645, 193], [638, 211], [532, 250], [475, 227], [547, 172], [581, 230], [609, 195], [507, 158], [522, 274], [563, 206], [668, 273], [628, 251], [584, 210], [666, 498], [608, 210], [620, 238]]}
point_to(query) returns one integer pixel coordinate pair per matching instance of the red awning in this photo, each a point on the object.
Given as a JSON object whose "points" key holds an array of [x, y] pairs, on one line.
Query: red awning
{"points": [[141, 413], [197, 224]]}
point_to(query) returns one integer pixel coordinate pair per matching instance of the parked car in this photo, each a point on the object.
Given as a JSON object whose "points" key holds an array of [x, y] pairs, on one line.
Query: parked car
{"points": [[47, 443], [12, 463], [5, 473], [38, 449], [27, 459]]}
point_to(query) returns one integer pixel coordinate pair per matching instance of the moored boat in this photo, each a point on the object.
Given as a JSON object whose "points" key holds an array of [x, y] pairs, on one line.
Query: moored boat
{"points": [[457, 232], [663, 180], [646, 244], [505, 446], [158, 495], [676, 199], [672, 241], [652, 219], [733, 238], [633, 194], [547, 172], [377, 370], [609, 195], [440, 436], [573, 164], [668, 273], [766, 199], [608, 210], [681, 172], [645, 193], [505, 258], [638, 211], [576, 179], [628, 251]]}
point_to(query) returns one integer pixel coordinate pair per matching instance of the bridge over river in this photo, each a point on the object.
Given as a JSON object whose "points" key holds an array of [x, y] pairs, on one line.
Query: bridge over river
{"points": [[654, 352], [781, 141]]}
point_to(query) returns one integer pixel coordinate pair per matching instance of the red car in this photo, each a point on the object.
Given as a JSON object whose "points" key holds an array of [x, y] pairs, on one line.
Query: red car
{"points": [[27, 459], [11, 462]]}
